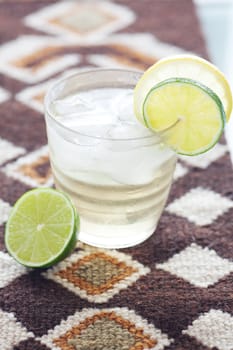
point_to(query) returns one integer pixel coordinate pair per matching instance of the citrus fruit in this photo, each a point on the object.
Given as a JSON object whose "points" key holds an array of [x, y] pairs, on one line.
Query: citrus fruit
{"points": [[183, 66], [189, 115], [42, 227]]}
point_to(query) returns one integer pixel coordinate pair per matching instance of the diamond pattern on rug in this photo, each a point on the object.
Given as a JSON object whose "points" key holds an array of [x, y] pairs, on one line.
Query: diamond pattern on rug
{"points": [[95, 329], [66, 315], [213, 329], [12, 331], [201, 206], [112, 61], [199, 266], [86, 22], [5, 209], [9, 269], [180, 171], [97, 275], [38, 303], [204, 160], [127, 51], [33, 169], [4, 95], [31, 343], [9, 151], [33, 58], [33, 96]]}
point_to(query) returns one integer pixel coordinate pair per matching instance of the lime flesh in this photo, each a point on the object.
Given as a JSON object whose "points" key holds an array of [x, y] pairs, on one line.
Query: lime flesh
{"points": [[189, 116], [42, 228], [187, 66]]}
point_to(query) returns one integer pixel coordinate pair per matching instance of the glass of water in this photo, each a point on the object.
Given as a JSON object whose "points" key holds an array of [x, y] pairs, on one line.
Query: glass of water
{"points": [[117, 171]]}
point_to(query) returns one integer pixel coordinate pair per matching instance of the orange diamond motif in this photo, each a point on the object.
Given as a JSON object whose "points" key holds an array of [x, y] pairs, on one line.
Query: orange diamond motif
{"points": [[37, 58], [126, 51], [97, 272], [100, 329], [97, 275], [39, 170], [32, 169], [83, 20]]}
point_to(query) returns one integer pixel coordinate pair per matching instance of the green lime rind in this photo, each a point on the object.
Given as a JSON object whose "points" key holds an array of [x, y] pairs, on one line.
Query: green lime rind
{"points": [[13, 236], [207, 91]]}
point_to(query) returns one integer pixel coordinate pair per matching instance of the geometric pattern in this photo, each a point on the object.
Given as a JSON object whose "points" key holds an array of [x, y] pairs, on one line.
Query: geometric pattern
{"points": [[180, 171], [99, 329], [4, 95], [12, 332], [97, 276], [9, 269], [5, 209], [33, 96], [127, 47], [9, 151], [81, 21], [32, 169], [200, 206], [173, 291], [213, 329], [37, 58], [199, 266], [204, 160]]}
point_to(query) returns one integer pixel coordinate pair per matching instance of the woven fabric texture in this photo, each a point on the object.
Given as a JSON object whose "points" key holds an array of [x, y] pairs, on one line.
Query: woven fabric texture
{"points": [[172, 292]]}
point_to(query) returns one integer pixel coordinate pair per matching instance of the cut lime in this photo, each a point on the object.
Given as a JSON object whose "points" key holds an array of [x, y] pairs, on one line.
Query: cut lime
{"points": [[42, 228], [189, 116], [183, 66]]}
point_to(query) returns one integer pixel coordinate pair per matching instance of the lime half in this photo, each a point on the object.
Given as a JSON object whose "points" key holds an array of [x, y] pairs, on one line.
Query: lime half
{"points": [[42, 228], [189, 116]]}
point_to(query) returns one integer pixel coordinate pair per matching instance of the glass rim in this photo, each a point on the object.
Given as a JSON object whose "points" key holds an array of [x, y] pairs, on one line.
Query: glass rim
{"points": [[74, 132]]}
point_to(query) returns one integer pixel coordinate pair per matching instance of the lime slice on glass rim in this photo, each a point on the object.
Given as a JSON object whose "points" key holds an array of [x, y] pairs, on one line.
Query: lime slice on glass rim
{"points": [[42, 228], [188, 115], [183, 66], [186, 100]]}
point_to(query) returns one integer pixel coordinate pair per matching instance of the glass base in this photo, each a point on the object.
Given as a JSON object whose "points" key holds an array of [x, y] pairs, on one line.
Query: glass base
{"points": [[115, 242]]}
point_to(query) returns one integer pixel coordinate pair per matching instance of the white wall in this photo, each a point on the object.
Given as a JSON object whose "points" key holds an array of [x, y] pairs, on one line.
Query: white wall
{"points": [[216, 18]]}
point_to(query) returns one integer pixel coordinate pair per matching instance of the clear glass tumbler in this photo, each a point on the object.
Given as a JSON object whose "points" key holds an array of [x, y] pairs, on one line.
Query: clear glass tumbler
{"points": [[119, 184]]}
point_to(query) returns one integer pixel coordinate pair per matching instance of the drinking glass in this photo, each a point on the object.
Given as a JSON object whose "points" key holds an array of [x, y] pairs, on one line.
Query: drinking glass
{"points": [[118, 182]]}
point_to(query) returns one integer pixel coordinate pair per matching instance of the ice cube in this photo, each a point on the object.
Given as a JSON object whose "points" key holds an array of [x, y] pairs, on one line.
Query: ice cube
{"points": [[123, 103], [108, 140], [131, 130], [71, 105], [87, 118], [136, 166]]}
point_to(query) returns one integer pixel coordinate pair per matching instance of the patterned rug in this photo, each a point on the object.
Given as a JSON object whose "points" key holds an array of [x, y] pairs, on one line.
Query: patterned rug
{"points": [[174, 291]]}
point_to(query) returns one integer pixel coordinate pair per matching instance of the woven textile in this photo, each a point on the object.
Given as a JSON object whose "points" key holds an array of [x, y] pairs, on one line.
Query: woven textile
{"points": [[174, 291]]}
